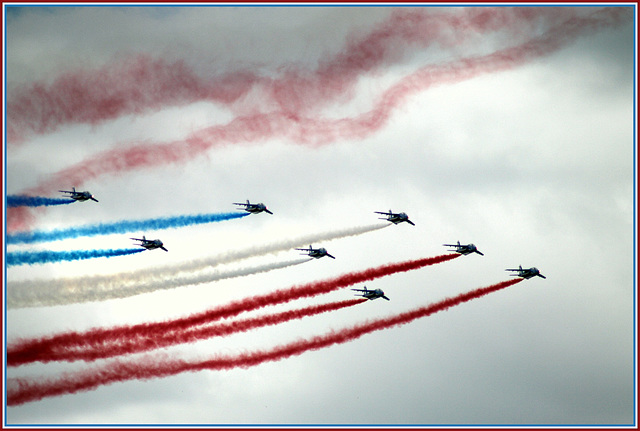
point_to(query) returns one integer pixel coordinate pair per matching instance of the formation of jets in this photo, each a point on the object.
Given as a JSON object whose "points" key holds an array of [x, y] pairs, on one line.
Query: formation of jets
{"points": [[371, 294], [526, 273], [150, 244], [315, 252], [79, 196], [253, 208], [395, 218]]}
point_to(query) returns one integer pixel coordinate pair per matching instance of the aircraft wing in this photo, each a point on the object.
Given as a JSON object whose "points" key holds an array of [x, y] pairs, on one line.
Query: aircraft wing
{"points": [[93, 199], [378, 212], [360, 290], [164, 249], [480, 253], [385, 298], [240, 203], [411, 223], [540, 275], [267, 211], [304, 249], [330, 256]]}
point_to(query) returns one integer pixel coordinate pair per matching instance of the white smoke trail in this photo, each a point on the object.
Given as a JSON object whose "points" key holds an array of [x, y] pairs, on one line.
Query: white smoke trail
{"points": [[33, 293], [283, 245], [48, 297]]}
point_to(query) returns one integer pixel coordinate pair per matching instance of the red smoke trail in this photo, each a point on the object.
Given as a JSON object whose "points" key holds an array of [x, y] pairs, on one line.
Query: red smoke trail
{"points": [[314, 131], [303, 93], [135, 85], [26, 351], [93, 348], [23, 390], [130, 86]]}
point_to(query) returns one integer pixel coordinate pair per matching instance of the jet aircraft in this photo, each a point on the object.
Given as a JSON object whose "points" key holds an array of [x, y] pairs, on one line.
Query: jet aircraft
{"points": [[464, 249], [371, 294], [79, 196], [395, 218], [150, 244], [253, 208], [526, 273], [316, 252]]}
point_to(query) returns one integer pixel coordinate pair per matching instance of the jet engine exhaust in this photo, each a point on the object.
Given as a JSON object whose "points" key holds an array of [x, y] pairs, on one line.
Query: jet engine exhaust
{"points": [[109, 335], [23, 390], [118, 227], [88, 346], [47, 256], [71, 290], [35, 201]]}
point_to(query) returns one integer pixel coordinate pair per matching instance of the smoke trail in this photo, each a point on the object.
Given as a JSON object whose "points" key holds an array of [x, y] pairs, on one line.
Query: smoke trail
{"points": [[32, 293], [254, 127], [91, 293], [34, 201], [308, 130], [404, 32], [47, 256], [123, 226], [139, 84], [130, 86], [149, 330], [23, 390], [93, 347]]}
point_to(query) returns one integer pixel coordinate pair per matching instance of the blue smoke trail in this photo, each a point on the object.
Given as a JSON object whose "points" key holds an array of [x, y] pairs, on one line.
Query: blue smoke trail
{"points": [[40, 257], [34, 201], [123, 226]]}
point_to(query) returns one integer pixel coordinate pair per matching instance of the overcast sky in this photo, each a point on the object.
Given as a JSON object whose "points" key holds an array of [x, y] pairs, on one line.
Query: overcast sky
{"points": [[528, 153]]}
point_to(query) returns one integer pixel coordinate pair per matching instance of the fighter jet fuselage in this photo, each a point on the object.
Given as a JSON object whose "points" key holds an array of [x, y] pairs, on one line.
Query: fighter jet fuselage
{"points": [[526, 273], [371, 294], [253, 208], [395, 218], [316, 253], [79, 196], [150, 244]]}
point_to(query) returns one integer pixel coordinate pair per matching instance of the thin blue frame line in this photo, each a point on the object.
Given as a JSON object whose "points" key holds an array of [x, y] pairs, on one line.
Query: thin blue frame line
{"points": [[4, 214]]}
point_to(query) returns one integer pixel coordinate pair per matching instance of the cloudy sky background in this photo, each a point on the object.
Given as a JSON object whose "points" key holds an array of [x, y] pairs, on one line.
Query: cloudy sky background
{"points": [[533, 164]]}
